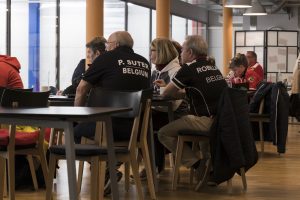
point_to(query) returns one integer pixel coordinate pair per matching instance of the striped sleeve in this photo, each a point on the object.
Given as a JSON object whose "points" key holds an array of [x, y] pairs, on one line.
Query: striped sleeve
{"points": [[182, 77]]}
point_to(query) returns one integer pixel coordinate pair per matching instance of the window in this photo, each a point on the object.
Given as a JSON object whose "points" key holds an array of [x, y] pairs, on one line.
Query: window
{"points": [[72, 38], [20, 36], [178, 29], [47, 43], [138, 27], [3, 27], [114, 16]]}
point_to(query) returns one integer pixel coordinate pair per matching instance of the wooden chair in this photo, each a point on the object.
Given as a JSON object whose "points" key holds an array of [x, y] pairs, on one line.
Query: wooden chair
{"points": [[95, 152], [195, 137], [14, 142], [260, 117]]}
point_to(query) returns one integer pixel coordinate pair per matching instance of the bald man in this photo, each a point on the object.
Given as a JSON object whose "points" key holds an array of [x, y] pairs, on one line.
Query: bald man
{"points": [[118, 69]]}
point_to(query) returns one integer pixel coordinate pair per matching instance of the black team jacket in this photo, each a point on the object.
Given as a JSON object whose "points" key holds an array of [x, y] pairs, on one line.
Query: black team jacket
{"points": [[232, 142]]}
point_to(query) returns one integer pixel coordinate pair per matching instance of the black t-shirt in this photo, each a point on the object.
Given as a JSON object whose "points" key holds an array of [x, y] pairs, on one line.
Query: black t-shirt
{"points": [[203, 83], [119, 69]]}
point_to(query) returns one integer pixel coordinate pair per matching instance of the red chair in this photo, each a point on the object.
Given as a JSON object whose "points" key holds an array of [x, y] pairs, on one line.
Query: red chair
{"points": [[13, 142]]}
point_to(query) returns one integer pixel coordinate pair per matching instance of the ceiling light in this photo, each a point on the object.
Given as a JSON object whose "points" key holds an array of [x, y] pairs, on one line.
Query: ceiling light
{"points": [[256, 9], [238, 4]]}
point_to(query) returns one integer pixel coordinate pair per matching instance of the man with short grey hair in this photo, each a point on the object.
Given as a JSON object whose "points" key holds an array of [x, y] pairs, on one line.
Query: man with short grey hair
{"points": [[203, 84]]}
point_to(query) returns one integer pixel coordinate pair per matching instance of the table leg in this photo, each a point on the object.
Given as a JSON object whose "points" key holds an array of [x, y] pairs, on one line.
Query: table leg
{"points": [[111, 158], [152, 152], [70, 157]]}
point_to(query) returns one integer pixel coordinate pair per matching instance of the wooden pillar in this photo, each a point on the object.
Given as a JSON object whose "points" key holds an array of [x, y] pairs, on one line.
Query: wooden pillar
{"points": [[227, 38], [94, 19], [163, 18]]}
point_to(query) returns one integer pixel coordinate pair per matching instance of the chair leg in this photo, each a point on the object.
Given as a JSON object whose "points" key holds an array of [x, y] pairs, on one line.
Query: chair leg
{"points": [[11, 175], [94, 178], [171, 160], [205, 175], [52, 167], [80, 174], [52, 137], [192, 174], [127, 173], [146, 157], [44, 164], [2, 176], [59, 137], [177, 163], [102, 171], [5, 193], [136, 175], [32, 171], [229, 186], [261, 136], [243, 175]]}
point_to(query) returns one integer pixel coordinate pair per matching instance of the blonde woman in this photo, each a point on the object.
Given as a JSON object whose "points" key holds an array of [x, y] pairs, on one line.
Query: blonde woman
{"points": [[165, 58]]}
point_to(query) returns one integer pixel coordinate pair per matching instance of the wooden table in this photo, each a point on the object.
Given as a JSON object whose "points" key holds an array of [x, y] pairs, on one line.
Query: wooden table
{"points": [[63, 117]]}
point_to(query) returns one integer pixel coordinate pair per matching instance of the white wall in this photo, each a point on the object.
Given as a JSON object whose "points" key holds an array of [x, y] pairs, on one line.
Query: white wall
{"points": [[19, 36]]}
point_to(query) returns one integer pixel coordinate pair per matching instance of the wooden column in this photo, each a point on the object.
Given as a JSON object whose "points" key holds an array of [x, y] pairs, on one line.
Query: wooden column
{"points": [[94, 19], [163, 18], [227, 38]]}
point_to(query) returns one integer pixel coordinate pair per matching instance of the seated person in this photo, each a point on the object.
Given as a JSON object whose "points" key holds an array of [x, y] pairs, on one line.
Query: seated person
{"points": [[241, 73], [10, 72], [165, 57], [118, 69], [94, 48], [203, 83]]}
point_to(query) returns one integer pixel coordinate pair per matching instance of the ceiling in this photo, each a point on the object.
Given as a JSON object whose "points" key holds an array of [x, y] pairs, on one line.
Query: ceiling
{"points": [[271, 6]]}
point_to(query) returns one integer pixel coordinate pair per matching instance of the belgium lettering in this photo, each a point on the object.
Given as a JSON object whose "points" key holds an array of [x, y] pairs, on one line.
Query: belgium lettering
{"points": [[138, 72]]}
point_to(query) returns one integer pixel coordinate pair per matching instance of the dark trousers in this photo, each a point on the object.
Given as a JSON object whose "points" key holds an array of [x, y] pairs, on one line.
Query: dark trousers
{"points": [[121, 130], [159, 119]]}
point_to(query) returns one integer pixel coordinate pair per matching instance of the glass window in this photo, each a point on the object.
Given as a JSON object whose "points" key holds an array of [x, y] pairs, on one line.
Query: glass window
{"points": [[153, 25], [178, 29], [114, 16], [192, 27], [138, 27], [47, 43], [2, 26], [20, 36], [72, 38], [202, 30]]}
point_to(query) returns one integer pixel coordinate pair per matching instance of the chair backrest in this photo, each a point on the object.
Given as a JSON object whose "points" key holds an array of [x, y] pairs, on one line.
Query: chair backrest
{"points": [[18, 89], [99, 97], [21, 98], [139, 101]]}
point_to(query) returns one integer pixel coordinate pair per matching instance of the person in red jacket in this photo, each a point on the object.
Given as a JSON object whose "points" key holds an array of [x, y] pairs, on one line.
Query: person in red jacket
{"points": [[255, 72], [9, 72], [243, 72]]}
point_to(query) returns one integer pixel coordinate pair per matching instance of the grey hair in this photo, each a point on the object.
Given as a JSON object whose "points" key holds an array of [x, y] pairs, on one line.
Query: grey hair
{"points": [[197, 44], [123, 38]]}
